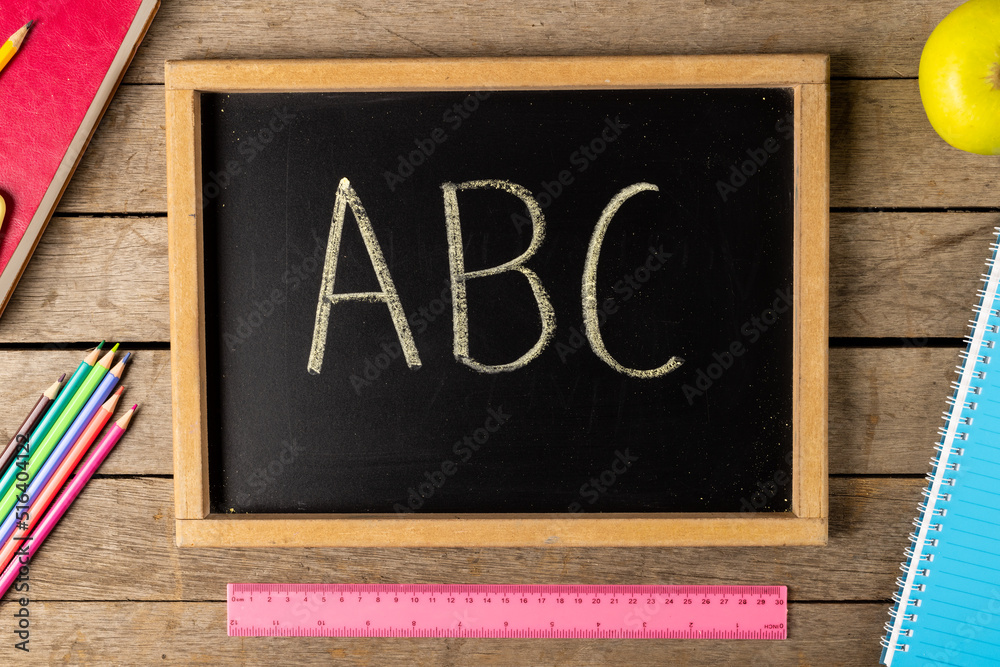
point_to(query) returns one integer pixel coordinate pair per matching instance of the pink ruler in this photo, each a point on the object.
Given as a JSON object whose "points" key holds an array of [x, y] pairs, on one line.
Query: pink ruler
{"points": [[438, 610]]}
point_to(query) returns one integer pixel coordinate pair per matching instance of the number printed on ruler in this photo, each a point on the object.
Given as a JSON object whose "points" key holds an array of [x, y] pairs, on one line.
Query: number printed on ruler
{"points": [[439, 610]]}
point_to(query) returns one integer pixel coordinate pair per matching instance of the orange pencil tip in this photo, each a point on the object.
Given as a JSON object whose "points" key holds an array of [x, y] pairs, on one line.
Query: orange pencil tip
{"points": [[119, 391]]}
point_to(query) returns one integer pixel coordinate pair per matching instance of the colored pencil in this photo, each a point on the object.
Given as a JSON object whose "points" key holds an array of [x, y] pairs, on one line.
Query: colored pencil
{"points": [[18, 523], [31, 422], [40, 451], [11, 46], [42, 430], [30, 544], [58, 453], [74, 382]]}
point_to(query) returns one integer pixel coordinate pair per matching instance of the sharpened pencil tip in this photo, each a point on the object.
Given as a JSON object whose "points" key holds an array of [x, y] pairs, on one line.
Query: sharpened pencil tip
{"points": [[126, 418], [112, 401], [30, 23], [125, 358], [115, 348], [62, 377]]}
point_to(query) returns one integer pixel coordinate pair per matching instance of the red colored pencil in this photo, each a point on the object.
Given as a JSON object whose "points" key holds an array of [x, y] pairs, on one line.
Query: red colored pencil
{"points": [[30, 423]]}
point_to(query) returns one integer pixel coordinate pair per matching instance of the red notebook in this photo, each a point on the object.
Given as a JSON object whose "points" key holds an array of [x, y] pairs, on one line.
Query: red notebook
{"points": [[52, 96]]}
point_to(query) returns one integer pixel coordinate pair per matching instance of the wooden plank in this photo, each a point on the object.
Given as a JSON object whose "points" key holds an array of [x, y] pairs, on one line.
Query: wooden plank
{"points": [[885, 407], [866, 39], [91, 279], [122, 529], [124, 169], [884, 153], [906, 274], [188, 633]]}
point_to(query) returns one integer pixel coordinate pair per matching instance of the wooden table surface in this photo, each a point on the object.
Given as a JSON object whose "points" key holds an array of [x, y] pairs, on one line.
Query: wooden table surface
{"points": [[910, 227]]}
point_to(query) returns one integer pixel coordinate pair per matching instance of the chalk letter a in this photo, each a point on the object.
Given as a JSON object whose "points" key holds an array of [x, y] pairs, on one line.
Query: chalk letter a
{"points": [[591, 325], [456, 261], [346, 196]]}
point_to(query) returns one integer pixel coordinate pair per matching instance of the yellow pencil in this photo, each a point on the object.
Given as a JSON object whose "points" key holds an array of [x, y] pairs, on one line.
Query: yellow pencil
{"points": [[11, 46]]}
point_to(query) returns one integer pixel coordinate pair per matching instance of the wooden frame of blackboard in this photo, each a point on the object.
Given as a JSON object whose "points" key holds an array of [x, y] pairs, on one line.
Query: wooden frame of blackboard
{"points": [[806, 75]]}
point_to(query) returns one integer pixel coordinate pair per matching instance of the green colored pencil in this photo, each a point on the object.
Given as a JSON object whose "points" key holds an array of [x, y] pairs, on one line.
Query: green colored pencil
{"points": [[56, 409], [79, 375], [40, 451]]}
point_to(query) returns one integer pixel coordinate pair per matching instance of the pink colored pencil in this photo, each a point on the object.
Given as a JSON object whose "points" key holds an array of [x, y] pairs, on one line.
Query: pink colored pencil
{"points": [[35, 539]]}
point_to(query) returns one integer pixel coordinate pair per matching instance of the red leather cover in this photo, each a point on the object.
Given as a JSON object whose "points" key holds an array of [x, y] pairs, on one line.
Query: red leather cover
{"points": [[45, 93]]}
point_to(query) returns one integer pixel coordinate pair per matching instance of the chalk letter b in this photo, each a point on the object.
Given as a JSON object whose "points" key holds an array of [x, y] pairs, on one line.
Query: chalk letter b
{"points": [[456, 260]]}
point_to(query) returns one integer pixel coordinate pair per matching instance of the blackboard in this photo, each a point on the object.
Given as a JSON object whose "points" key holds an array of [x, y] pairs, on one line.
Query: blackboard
{"points": [[634, 354]]}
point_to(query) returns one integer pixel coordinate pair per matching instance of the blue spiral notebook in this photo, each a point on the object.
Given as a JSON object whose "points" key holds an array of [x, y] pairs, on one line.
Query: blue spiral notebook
{"points": [[947, 608]]}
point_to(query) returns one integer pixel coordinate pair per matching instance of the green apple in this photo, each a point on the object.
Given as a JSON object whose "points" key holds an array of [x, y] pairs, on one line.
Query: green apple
{"points": [[960, 77]]}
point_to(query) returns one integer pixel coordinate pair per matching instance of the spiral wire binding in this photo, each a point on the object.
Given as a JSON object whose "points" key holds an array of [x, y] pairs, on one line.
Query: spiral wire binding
{"points": [[939, 482]]}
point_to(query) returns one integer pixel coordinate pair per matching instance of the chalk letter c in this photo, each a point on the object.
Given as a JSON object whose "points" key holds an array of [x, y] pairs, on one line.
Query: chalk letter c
{"points": [[591, 325]]}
